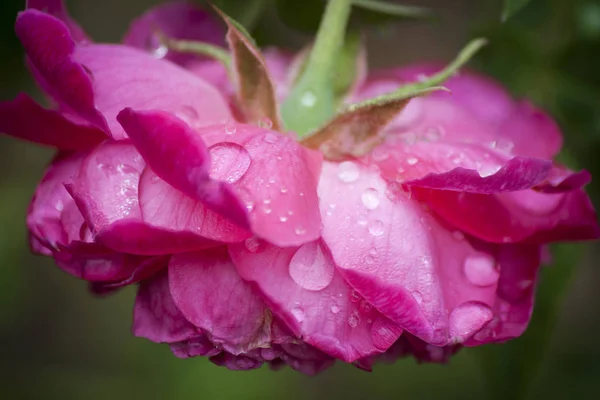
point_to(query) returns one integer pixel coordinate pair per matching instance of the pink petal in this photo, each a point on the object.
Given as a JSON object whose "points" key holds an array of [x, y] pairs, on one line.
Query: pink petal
{"points": [[402, 260], [165, 207], [156, 317], [211, 295], [50, 48], [178, 155], [57, 9], [279, 186], [106, 192], [517, 216], [127, 77], [302, 288], [23, 118], [176, 20], [519, 266]]}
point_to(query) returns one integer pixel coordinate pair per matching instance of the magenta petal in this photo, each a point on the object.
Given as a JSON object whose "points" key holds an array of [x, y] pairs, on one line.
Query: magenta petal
{"points": [[519, 266], [562, 180], [178, 155], [50, 48], [176, 20], [517, 174], [211, 295], [165, 207], [127, 77], [57, 9], [23, 118], [302, 288], [417, 280], [279, 184], [156, 317]]}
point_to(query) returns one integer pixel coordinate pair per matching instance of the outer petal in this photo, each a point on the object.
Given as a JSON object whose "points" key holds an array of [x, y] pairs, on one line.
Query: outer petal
{"points": [[519, 266], [212, 296], [106, 192], [417, 280], [178, 155], [50, 48], [25, 119], [302, 287], [177, 20], [57, 9], [156, 317], [279, 186]]}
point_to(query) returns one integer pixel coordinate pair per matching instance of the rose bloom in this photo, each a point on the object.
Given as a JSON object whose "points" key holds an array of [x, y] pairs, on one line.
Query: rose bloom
{"points": [[250, 248]]}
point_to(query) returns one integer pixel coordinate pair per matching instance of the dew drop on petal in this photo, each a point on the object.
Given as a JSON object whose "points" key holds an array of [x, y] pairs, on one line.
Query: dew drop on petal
{"points": [[362, 219], [265, 123], [230, 129], [467, 319], [283, 218], [335, 309], [480, 270], [310, 269], [353, 319], [298, 313], [348, 172], [376, 228], [412, 160], [252, 244], [488, 170], [229, 161], [370, 198], [270, 138], [299, 231], [354, 296]]}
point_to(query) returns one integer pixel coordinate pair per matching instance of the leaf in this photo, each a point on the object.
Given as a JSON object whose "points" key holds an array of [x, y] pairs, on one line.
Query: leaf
{"points": [[510, 367], [511, 7], [255, 89], [392, 9], [357, 130]]}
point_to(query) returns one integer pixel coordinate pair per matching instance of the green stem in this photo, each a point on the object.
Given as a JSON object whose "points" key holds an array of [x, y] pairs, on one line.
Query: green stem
{"points": [[202, 48], [312, 101], [463, 57]]}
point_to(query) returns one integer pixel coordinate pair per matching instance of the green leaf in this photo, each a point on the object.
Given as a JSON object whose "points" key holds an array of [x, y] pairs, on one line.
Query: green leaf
{"points": [[511, 7], [510, 367], [355, 131], [245, 12], [392, 9]]}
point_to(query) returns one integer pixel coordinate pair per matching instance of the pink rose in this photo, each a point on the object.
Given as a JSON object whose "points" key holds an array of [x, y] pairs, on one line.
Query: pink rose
{"points": [[250, 247]]}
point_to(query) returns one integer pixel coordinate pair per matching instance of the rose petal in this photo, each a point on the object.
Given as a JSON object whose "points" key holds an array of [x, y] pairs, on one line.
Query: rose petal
{"points": [[303, 289], [57, 9], [212, 296]]}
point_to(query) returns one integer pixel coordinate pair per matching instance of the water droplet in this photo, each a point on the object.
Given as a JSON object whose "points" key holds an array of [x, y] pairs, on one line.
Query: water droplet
{"points": [[467, 319], [188, 114], [299, 231], [301, 194], [370, 198], [230, 129], [267, 210], [412, 160], [298, 313], [265, 123], [354, 296], [308, 99], [376, 228], [270, 137], [353, 320], [229, 161], [283, 219], [348, 172], [488, 170], [362, 219], [417, 296], [335, 309], [252, 244], [310, 269], [250, 206], [160, 51], [284, 190], [480, 270]]}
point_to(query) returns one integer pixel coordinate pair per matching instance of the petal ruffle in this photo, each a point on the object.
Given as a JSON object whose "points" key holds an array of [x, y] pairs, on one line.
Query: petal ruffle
{"points": [[303, 288]]}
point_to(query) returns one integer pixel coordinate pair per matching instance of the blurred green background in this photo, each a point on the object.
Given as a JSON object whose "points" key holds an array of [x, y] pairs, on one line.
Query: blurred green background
{"points": [[58, 341]]}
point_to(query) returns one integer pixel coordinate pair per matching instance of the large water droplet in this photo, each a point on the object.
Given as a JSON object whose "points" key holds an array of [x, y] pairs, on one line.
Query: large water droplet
{"points": [[229, 161], [480, 270], [348, 172], [488, 170], [370, 198], [310, 269], [467, 319], [376, 228]]}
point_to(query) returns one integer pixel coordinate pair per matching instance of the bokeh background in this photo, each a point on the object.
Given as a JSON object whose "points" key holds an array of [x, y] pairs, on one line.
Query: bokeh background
{"points": [[58, 341]]}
